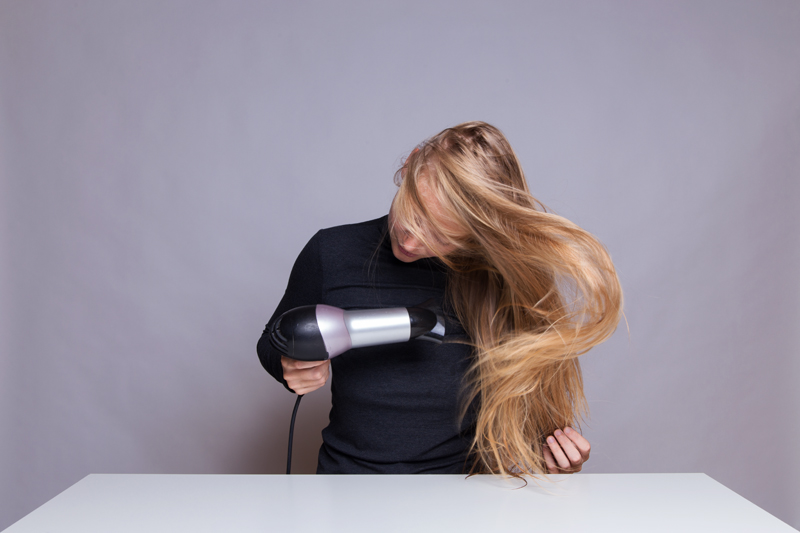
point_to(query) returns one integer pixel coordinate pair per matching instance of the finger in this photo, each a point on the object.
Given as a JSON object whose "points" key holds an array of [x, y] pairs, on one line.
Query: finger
{"points": [[305, 387], [558, 453], [288, 362], [580, 442], [552, 467], [572, 453], [308, 374], [311, 364], [302, 391]]}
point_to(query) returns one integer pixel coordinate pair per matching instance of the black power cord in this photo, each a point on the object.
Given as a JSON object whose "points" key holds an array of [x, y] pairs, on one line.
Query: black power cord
{"points": [[291, 434]]}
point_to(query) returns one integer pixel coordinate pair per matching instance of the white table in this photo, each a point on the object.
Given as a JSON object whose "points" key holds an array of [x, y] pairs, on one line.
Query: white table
{"points": [[235, 503]]}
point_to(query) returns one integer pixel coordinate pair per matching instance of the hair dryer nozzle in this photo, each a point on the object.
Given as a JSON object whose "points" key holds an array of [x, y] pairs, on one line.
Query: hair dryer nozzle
{"points": [[427, 321]]}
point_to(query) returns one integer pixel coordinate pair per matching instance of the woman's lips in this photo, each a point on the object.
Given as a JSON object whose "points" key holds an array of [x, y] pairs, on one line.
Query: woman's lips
{"points": [[405, 252]]}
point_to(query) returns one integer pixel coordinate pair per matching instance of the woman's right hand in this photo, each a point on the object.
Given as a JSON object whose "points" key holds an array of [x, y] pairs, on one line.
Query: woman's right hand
{"points": [[305, 376]]}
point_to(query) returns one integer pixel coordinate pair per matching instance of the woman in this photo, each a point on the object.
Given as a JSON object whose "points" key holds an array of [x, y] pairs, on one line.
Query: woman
{"points": [[531, 290]]}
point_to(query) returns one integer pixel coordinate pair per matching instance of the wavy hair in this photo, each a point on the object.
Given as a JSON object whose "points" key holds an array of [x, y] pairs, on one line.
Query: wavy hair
{"points": [[533, 290]]}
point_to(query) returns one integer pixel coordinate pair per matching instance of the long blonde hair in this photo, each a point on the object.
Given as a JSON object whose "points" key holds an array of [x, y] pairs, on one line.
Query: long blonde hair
{"points": [[533, 290]]}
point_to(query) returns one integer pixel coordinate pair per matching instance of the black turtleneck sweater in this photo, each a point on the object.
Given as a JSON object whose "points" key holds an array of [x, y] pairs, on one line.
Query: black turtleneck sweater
{"points": [[394, 407]]}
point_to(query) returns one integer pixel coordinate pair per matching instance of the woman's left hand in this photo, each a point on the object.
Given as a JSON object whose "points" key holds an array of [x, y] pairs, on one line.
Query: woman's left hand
{"points": [[566, 451]]}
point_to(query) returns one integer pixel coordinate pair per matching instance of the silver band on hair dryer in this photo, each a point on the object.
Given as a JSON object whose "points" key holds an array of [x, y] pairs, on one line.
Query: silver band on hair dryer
{"points": [[320, 332]]}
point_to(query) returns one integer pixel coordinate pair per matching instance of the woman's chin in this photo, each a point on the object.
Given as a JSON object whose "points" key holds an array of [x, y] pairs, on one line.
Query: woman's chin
{"points": [[405, 258]]}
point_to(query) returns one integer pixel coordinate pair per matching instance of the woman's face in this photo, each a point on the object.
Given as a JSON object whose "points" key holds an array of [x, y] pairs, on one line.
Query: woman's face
{"points": [[408, 248]]}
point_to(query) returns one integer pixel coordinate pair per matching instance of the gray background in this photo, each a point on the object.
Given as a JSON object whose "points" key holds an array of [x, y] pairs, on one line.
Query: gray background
{"points": [[164, 162]]}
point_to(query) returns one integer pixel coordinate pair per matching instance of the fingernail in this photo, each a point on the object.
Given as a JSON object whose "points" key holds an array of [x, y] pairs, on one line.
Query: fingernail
{"points": [[568, 430], [551, 440], [558, 433]]}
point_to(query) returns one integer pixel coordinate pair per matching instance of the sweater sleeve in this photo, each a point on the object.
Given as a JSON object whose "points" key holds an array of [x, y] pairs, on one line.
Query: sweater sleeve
{"points": [[304, 288]]}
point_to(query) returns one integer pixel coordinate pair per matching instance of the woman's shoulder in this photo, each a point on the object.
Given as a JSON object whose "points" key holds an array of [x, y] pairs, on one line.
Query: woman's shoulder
{"points": [[348, 235], [367, 226]]}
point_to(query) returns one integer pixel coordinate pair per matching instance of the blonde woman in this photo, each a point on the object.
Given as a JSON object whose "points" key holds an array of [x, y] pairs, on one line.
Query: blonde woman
{"points": [[525, 291]]}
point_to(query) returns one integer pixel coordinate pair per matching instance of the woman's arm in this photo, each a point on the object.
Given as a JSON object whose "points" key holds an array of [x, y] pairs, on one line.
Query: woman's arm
{"points": [[305, 287]]}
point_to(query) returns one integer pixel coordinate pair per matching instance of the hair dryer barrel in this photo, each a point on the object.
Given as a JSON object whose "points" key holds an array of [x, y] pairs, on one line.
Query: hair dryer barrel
{"points": [[319, 332]]}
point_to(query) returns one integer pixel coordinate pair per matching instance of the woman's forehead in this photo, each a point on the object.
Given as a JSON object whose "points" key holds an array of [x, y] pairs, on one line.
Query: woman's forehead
{"points": [[431, 203]]}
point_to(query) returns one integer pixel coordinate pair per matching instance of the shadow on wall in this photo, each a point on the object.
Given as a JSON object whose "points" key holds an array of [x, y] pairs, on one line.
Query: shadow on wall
{"points": [[265, 452]]}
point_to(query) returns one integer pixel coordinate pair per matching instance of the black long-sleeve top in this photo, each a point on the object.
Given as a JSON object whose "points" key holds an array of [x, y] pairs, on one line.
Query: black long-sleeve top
{"points": [[394, 407]]}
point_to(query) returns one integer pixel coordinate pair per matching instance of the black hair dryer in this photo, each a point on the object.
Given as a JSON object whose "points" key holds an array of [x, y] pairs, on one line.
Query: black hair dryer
{"points": [[321, 332]]}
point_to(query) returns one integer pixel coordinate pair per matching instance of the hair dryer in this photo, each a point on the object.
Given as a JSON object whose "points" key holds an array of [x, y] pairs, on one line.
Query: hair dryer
{"points": [[321, 332]]}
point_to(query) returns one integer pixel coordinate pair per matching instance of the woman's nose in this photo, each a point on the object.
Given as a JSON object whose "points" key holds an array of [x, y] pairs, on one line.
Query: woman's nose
{"points": [[409, 242]]}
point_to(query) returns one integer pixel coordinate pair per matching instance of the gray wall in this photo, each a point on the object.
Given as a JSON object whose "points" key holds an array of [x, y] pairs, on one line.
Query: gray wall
{"points": [[164, 162]]}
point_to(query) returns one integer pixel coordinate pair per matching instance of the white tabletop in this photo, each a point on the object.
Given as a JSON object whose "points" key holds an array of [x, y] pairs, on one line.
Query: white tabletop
{"points": [[238, 503]]}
